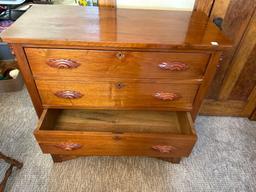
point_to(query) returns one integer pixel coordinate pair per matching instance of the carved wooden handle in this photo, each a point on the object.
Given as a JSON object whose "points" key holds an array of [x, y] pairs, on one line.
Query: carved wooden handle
{"points": [[68, 146], [167, 96], [68, 94], [62, 63], [173, 66], [163, 148], [120, 55]]}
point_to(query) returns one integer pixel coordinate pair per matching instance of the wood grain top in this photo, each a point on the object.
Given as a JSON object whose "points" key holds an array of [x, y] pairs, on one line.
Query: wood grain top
{"points": [[109, 27]]}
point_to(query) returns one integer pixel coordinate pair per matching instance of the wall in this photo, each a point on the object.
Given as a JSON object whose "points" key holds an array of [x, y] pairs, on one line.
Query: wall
{"points": [[157, 4]]}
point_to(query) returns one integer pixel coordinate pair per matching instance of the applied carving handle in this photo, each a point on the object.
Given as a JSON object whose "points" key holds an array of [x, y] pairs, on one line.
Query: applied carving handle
{"points": [[68, 94], [166, 96], [68, 146], [62, 63], [163, 148], [173, 66]]}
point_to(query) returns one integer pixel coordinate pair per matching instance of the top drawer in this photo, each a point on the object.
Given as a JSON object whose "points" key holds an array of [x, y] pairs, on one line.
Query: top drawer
{"points": [[59, 63]]}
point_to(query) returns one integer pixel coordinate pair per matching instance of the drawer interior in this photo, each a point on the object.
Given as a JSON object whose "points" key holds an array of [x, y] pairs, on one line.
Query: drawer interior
{"points": [[116, 121]]}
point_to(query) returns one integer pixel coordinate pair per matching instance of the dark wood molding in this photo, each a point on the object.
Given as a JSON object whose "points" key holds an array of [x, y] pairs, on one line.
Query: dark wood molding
{"points": [[13, 163], [253, 116]]}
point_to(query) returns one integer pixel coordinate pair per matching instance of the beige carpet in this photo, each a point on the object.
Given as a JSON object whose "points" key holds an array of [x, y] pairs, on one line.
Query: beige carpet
{"points": [[224, 159]]}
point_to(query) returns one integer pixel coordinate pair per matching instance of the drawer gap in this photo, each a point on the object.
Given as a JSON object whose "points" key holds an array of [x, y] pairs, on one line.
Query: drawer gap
{"points": [[116, 121]]}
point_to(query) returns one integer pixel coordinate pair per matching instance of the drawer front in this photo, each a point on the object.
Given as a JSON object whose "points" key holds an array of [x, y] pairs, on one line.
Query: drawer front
{"points": [[116, 94], [59, 63], [60, 141], [118, 144]]}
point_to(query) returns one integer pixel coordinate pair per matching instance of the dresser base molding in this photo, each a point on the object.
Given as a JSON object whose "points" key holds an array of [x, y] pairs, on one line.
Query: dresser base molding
{"points": [[174, 160], [61, 158]]}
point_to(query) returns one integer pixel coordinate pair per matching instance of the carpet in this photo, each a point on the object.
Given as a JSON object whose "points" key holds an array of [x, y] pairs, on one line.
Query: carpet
{"points": [[224, 159]]}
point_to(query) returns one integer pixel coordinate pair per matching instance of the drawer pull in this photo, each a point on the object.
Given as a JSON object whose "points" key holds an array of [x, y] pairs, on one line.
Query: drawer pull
{"points": [[68, 94], [68, 146], [173, 66], [62, 63], [120, 55], [167, 96], [163, 148]]}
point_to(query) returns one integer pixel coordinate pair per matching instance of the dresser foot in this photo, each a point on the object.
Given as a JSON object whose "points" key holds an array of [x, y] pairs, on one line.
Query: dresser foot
{"points": [[61, 158], [175, 160]]}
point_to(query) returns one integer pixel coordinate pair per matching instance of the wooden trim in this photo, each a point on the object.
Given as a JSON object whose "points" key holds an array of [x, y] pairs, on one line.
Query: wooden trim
{"points": [[251, 104], [222, 108], [247, 45], [253, 116], [28, 78], [219, 9], [204, 6], [208, 77], [107, 3]]}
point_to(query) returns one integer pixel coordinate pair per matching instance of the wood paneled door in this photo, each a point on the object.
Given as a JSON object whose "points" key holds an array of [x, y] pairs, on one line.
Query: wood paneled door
{"points": [[233, 91]]}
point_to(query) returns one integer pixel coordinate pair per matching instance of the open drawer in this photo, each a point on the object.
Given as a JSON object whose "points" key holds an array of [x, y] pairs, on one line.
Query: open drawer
{"points": [[106, 132]]}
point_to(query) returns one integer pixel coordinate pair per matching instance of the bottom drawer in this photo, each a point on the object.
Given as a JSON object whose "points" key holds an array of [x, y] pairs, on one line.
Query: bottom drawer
{"points": [[105, 132]]}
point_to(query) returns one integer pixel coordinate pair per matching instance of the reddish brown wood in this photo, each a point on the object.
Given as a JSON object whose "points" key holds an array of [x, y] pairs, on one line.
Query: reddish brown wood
{"points": [[13, 163], [236, 20], [164, 148], [49, 134], [204, 6], [69, 146], [247, 79], [167, 96], [61, 158], [68, 94], [107, 3], [122, 65], [172, 160], [173, 66], [62, 63], [105, 64], [167, 29], [209, 75], [28, 78], [97, 94], [253, 115], [6, 176]]}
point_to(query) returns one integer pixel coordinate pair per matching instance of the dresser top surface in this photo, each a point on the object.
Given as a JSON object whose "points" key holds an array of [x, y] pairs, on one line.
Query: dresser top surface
{"points": [[108, 27]]}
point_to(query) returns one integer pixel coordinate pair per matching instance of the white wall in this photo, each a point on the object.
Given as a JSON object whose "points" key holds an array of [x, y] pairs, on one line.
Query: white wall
{"points": [[157, 4]]}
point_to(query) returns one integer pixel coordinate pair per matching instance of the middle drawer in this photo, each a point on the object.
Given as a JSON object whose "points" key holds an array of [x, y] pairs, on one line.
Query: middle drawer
{"points": [[116, 94]]}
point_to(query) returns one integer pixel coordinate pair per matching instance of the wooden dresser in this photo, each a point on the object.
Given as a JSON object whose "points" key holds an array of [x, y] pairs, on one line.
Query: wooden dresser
{"points": [[110, 81]]}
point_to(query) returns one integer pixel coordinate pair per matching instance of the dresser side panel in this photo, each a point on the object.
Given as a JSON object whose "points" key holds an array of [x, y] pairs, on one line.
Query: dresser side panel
{"points": [[28, 78]]}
